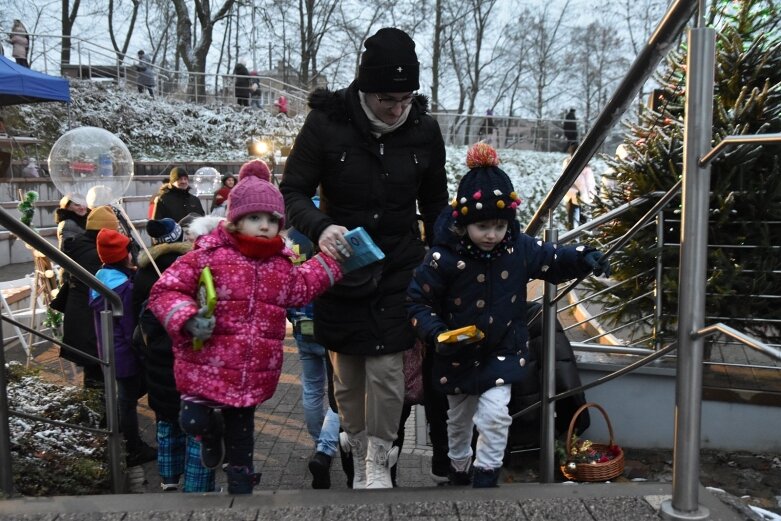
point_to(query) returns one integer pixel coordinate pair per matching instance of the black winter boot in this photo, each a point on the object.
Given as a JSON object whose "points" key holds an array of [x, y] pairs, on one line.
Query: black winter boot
{"points": [[320, 467], [460, 474], [241, 480], [485, 478]]}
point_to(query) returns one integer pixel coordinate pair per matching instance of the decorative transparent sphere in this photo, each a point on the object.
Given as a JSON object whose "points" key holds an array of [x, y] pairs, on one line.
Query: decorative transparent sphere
{"points": [[91, 164], [206, 180]]}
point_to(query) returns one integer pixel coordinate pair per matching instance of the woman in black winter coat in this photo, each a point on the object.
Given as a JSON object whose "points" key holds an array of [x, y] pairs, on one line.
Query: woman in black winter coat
{"points": [[78, 329], [242, 89], [377, 158], [71, 219]]}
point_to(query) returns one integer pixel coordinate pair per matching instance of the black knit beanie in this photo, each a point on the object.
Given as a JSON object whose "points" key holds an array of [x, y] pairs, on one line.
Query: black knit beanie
{"points": [[485, 192], [389, 63]]}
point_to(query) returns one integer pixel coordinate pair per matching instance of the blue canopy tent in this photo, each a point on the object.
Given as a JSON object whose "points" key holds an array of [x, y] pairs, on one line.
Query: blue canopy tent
{"points": [[21, 85]]}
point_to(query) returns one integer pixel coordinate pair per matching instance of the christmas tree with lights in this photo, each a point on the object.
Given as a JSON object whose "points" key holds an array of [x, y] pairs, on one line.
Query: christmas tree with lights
{"points": [[744, 233]]}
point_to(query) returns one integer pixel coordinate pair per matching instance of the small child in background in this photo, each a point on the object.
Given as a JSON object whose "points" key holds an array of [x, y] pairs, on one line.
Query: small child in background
{"points": [[475, 275], [240, 362], [322, 422], [117, 274]]}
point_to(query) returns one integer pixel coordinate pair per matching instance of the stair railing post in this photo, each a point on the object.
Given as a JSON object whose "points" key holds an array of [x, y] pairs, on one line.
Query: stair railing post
{"points": [[548, 386], [692, 275], [114, 445], [659, 286], [6, 474]]}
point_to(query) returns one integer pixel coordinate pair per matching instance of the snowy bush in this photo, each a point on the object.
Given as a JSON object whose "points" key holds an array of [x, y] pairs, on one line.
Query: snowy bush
{"points": [[50, 459]]}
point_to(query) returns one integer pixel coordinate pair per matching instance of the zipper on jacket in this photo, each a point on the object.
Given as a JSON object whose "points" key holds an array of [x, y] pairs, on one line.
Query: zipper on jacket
{"points": [[382, 149], [344, 156], [415, 158]]}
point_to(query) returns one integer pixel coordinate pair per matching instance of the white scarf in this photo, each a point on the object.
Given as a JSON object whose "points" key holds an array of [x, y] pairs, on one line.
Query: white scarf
{"points": [[378, 127]]}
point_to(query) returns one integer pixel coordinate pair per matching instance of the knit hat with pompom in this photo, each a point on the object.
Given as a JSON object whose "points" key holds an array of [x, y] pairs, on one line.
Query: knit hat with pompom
{"points": [[255, 193], [485, 192]]}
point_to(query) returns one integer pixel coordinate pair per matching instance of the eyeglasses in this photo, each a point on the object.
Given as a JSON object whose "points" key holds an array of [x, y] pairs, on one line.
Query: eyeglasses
{"points": [[389, 103]]}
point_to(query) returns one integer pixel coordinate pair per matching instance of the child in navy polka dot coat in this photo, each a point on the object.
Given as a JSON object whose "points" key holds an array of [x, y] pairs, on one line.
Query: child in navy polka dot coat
{"points": [[476, 275]]}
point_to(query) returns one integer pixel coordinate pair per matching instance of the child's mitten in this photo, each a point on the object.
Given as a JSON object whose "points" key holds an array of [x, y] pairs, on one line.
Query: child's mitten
{"points": [[200, 326], [600, 266]]}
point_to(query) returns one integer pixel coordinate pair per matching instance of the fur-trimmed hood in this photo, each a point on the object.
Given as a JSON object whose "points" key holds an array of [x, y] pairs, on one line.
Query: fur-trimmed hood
{"points": [[335, 102], [158, 250], [61, 214]]}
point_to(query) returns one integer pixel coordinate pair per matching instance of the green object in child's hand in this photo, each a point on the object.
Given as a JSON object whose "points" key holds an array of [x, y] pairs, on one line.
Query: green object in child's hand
{"points": [[207, 298]]}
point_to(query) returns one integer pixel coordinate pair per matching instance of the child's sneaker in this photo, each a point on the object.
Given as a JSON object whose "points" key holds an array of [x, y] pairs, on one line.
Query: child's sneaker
{"points": [[485, 478], [460, 474], [169, 487]]}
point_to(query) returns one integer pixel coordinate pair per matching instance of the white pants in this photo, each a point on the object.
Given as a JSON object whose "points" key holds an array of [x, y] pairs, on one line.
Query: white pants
{"points": [[488, 413]]}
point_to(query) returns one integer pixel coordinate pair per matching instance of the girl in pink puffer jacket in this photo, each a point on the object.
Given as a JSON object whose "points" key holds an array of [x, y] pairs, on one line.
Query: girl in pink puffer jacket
{"points": [[240, 362]]}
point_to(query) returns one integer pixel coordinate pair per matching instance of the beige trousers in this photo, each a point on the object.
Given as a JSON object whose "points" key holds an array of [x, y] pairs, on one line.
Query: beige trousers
{"points": [[369, 392]]}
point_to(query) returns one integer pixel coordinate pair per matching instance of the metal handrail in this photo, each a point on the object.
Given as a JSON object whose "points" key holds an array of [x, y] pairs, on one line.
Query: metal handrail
{"points": [[33, 239], [743, 338], [29, 236], [658, 45]]}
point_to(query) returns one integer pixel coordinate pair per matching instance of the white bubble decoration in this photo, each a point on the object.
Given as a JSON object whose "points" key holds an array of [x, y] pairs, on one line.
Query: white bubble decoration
{"points": [[206, 180], [92, 164]]}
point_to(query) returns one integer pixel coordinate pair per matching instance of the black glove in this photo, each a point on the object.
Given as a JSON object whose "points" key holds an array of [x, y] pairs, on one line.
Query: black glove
{"points": [[600, 266]]}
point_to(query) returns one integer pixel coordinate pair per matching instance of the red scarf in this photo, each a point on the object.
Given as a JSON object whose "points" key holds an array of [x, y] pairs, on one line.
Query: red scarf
{"points": [[258, 247]]}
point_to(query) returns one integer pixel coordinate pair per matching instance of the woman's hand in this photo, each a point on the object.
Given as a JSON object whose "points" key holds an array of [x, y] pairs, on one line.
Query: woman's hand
{"points": [[332, 243]]}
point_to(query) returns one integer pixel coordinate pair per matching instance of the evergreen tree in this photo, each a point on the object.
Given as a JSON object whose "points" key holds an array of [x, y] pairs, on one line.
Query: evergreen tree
{"points": [[744, 236]]}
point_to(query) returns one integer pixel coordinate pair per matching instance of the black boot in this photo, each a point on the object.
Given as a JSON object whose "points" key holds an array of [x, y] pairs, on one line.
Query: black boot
{"points": [[241, 480], [320, 467], [485, 478], [460, 475]]}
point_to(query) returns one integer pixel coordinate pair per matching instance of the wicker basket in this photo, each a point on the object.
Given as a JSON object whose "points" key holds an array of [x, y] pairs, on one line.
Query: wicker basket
{"points": [[594, 471]]}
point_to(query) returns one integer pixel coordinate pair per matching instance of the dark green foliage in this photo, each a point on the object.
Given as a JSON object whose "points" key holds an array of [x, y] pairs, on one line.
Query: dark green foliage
{"points": [[744, 235]]}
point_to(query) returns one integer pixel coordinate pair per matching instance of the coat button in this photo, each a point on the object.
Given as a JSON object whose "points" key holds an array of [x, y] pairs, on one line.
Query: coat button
{"points": [[522, 361], [376, 216], [499, 382], [443, 380]]}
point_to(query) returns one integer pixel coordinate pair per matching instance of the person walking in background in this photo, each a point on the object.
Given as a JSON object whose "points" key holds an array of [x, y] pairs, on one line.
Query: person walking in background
{"points": [[377, 157], [221, 196], [242, 85], [487, 130], [580, 195], [240, 361], [281, 105], [475, 277], [571, 129], [146, 74], [83, 250], [20, 40], [321, 421], [174, 199], [178, 454], [117, 275]]}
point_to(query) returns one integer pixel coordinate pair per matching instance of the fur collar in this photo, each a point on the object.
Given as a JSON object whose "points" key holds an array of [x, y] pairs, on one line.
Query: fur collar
{"points": [[159, 250]]}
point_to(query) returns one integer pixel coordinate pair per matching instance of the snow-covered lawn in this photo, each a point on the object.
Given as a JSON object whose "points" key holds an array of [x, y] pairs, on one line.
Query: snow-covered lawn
{"points": [[50, 459]]}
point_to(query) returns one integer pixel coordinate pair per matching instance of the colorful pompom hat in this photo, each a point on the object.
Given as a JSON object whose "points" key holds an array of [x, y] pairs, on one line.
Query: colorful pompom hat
{"points": [[485, 192]]}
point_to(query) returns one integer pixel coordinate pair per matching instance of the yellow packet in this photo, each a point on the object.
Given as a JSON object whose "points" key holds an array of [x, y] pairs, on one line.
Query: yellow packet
{"points": [[467, 335]]}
